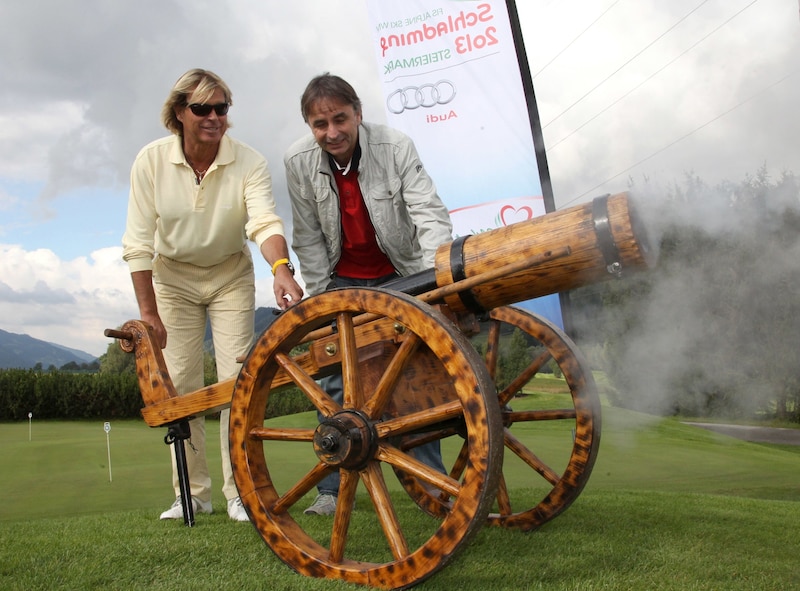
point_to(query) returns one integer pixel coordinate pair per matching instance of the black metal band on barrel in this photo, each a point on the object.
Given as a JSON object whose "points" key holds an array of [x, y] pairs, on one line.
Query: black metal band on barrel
{"points": [[458, 272], [605, 239]]}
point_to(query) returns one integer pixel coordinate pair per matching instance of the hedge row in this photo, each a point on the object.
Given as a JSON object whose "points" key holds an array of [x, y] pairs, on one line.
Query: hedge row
{"points": [[66, 395]]}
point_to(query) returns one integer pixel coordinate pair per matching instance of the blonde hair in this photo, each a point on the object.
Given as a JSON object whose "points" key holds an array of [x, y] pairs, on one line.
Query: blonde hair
{"points": [[196, 84]]}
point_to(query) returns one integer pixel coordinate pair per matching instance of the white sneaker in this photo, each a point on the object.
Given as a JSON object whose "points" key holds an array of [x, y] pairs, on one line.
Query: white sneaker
{"points": [[176, 510], [236, 510], [322, 505]]}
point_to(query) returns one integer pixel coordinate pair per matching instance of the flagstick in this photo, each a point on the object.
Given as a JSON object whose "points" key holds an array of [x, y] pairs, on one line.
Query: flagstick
{"points": [[107, 428]]}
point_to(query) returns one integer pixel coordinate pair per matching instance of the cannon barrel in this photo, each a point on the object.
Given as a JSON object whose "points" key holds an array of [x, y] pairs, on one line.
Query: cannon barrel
{"points": [[594, 241]]}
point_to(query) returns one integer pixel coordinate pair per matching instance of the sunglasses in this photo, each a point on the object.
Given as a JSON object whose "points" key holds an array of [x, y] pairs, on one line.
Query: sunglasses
{"points": [[204, 110]]}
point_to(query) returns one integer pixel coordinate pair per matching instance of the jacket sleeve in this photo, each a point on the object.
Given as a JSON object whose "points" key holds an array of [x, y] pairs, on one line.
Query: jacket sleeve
{"points": [[426, 209], [308, 241]]}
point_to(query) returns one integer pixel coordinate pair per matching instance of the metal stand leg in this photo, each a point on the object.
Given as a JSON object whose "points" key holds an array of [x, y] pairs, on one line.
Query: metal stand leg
{"points": [[177, 433]]}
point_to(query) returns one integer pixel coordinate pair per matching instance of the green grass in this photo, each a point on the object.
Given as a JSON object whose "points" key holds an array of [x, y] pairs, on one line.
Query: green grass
{"points": [[668, 506]]}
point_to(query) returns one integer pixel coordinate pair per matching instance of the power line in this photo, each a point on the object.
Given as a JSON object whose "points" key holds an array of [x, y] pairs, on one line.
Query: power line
{"points": [[568, 45], [640, 52], [651, 76], [683, 137]]}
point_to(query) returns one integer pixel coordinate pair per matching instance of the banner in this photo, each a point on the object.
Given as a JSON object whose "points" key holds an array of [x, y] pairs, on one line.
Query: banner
{"points": [[451, 81]]}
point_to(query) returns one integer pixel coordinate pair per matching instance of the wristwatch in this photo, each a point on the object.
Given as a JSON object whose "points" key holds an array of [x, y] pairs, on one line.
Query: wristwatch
{"points": [[280, 262]]}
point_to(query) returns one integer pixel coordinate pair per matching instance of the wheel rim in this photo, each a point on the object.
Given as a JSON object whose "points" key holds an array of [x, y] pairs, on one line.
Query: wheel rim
{"points": [[360, 437], [577, 413], [551, 478]]}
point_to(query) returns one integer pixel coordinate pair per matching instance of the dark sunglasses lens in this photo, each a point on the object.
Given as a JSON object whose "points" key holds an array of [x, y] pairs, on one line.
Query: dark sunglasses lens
{"points": [[204, 110], [200, 110]]}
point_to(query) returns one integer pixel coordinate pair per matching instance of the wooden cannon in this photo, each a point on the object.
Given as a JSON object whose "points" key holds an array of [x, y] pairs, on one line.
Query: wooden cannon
{"points": [[412, 375]]}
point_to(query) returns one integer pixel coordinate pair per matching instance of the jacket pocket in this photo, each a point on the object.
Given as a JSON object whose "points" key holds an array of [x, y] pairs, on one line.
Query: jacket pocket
{"points": [[394, 227], [318, 192]]}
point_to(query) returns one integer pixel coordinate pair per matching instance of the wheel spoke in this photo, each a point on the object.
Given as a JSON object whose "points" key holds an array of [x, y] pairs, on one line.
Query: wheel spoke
{"points": [[412, 441], [344, 510], [383, 393], [457, 471], [394, 457], [280, 434], [523, 378], [554, 414], [353, 394], [418, 420], [493, 348], [303, 486], [319, 398], [384, 508], [530, 458], [503, 501]]}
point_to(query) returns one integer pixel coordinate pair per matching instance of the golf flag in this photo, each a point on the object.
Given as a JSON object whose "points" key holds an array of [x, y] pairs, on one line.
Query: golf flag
{"points": [[451, 80]]}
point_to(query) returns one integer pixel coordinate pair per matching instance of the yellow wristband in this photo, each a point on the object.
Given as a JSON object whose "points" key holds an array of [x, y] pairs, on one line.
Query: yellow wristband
{"points": [[278, 263]]}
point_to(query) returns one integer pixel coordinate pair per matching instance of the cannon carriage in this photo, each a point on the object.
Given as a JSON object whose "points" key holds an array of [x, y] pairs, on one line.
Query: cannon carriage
{"points": [[411, 376]]}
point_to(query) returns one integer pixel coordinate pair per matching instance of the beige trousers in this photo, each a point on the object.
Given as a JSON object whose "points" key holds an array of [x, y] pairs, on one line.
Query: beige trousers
{"points": [[188, 297]]}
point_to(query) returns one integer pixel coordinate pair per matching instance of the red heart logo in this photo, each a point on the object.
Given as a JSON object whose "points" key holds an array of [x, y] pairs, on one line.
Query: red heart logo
{"points": [[511, 215]]}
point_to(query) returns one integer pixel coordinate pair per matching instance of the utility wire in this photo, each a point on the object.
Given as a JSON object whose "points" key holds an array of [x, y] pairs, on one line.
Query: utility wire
{"points": [[681, 138], [640, 52], [650, 77], [568, 45]]}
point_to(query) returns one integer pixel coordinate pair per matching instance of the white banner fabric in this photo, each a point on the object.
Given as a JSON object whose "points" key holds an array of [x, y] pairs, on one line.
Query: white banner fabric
{"points": [[452, 82]]}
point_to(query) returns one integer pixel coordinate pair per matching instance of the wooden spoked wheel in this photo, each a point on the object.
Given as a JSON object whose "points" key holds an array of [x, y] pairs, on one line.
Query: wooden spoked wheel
{"points": [[565, 426], [406, 370], [551, 438]]}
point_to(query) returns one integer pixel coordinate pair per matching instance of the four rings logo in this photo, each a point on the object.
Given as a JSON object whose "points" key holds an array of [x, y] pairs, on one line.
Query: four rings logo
{"points": [[427, 95]]}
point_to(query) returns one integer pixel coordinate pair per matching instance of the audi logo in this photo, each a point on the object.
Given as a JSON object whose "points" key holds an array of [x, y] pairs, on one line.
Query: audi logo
{"points": [[427, 95]]}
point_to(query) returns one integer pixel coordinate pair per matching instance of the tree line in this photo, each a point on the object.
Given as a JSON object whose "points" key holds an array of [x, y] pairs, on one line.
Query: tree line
{"points": [[106, 390]]}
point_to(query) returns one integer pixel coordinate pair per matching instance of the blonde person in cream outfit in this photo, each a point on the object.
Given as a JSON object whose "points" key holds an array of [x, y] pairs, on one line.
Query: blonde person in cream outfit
{"points": [[196, 197]]}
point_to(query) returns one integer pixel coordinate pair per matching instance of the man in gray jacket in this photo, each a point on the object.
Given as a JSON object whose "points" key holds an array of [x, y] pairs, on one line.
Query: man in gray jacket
{"points": [[364, 211]]}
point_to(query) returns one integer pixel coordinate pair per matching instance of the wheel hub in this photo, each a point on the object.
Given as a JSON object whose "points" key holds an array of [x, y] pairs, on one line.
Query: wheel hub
{"points": [[345, 440]]}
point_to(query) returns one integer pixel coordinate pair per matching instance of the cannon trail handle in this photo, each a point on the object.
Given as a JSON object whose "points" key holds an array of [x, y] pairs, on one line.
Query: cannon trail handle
{"points": [[154, 381], [118, 334]]}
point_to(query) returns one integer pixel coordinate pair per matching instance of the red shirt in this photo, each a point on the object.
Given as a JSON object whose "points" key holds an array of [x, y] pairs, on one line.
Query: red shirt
{"points": [[361, 257]]}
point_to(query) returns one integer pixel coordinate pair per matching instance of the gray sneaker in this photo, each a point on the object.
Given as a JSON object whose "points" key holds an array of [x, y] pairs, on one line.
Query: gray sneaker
{"points": [[236, 510], [176, 510], [322, 505]]}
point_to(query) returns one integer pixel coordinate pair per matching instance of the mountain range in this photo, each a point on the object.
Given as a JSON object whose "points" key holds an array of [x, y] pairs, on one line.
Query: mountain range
{"points": [[25, 352]]}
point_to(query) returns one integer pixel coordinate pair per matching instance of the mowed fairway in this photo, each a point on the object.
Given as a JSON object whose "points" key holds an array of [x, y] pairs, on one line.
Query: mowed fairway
{"points": [[668, 506], [63, 469]]}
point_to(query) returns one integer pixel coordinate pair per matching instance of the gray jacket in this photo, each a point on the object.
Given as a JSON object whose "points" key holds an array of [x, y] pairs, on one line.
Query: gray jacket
{"points": [[410, 219]]}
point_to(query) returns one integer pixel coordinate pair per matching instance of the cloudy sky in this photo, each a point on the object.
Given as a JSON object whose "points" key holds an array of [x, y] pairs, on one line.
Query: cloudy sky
{"points": [[626, 89]]}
